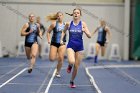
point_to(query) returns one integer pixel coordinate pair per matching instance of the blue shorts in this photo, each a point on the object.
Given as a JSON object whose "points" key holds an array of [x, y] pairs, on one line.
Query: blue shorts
{"points": [[76, 46]]}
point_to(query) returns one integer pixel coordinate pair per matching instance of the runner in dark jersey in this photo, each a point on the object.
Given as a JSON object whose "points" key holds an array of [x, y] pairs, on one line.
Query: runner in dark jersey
{"points": [[76, 28], [57, 50], [31, 30], [103, 32], [42, 28]]}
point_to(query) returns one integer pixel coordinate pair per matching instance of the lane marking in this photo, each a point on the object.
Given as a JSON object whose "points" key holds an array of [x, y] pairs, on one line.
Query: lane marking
{"points": [[129, 76], [68, 85], [37, 84], [50, 82], [12, 70], [93, 81], [114, 66], [30, 84], [13, 77], [44, 81]]}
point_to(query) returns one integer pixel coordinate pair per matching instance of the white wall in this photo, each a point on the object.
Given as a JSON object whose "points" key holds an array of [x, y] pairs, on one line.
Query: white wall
{"points": [[69, 1], [11, 23]]}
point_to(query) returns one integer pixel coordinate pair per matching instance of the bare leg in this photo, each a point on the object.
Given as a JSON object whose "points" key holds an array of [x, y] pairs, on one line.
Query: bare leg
{"points": [[97, 52], [78, 57], [61, 53], [53, 53], [34, 51]]}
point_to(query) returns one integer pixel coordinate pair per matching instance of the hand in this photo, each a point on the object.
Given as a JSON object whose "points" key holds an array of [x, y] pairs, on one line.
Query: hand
{"points": [[49, 42], [61, 42], [83, 29], [30, 31], [40, 35], [107, 41]]}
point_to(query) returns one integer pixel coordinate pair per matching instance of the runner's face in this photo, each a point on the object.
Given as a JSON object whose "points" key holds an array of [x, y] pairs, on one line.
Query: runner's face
{"points": [[76, 14], [31, 18], [60, 16], [102, 23], [38, 20]]}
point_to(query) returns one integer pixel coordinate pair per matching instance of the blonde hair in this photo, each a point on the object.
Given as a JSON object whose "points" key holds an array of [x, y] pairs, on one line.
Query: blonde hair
{"points": [[38, 17], [53, 17], [31, 14], [102, 22]]}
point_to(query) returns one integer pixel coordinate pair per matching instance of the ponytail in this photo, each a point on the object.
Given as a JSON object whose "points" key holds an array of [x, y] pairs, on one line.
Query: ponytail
{"points": [[51, 17], [69, 14]]}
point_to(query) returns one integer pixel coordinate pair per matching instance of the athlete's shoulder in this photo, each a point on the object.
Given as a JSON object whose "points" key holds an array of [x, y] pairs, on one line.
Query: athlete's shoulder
{"points": [[106, 28], [53, 24], [26, 24], [37, 24], [83, 23], [68, 23]]}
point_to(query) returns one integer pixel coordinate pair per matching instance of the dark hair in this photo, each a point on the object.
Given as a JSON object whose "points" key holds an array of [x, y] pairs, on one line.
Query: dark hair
{"points": [[73, 11], [69, 14], [79, 10]]}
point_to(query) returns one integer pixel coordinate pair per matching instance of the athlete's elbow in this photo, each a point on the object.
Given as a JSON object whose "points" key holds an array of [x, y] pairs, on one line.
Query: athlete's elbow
{"points": [[89, 36], [21, 34]]}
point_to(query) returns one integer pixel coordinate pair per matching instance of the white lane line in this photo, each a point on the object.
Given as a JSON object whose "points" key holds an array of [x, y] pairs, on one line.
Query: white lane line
{"points": [[129, 76], [50, 82], [68, 85], [13, 77], [93, 81], [37, 84], [12, 70], [9, 66], [31, 84], [113, 66], [44, 81]]}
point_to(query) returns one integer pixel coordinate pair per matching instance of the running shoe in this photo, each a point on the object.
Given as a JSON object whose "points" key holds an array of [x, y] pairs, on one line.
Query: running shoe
{"points": [[58, 75], [29, 70], [69, 68], [72, 85]]}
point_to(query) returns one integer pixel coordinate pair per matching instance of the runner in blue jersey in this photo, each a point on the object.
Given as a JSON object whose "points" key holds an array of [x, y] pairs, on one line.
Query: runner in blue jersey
{"points": [[31, 30], [103, 32], [42, 28], [57, 50], [75, 45]]}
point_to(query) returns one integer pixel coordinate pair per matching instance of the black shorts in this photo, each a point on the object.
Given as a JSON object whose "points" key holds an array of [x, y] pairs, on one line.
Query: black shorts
{"points": [[27, 44], [101, 43], [57, 44]]}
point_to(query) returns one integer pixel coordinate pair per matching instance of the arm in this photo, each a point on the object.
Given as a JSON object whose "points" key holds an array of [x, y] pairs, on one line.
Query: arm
{"points": [[43, 28], [39, 31], [23, 30], [49, 31], [64, 32], [108, 34], [95, 31], [85, 30]]}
